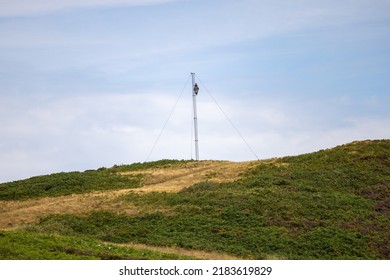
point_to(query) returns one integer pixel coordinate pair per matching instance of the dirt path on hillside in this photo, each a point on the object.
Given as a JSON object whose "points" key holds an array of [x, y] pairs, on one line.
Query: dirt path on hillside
{"points": [[14, 214], [176, 178], [180, 251]]}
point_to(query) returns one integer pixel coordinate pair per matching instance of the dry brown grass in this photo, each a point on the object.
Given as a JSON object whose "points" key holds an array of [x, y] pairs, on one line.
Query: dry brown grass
{"points": [[14, 214], [176, 178]]}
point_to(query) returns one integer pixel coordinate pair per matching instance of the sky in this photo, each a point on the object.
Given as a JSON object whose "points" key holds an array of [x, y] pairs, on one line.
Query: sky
{"points": [[86, 84]]}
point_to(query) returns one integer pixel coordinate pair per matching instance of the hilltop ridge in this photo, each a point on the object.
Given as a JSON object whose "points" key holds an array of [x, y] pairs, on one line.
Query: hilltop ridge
{"points": [[330, 204]]}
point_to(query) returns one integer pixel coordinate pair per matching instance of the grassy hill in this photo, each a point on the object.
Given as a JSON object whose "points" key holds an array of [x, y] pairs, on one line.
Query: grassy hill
{"points": [[331, 204]]}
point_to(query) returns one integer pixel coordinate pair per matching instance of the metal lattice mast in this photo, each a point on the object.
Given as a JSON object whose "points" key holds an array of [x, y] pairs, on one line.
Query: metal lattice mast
{"points": [[195, 90]]}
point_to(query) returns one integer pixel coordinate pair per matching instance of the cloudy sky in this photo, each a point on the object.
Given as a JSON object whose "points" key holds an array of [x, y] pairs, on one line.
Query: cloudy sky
{"points": [[91, 83]]}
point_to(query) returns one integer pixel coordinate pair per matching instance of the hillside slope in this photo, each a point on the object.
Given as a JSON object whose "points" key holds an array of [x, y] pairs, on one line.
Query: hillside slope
{"points": [[164, 177], [331, 204]]}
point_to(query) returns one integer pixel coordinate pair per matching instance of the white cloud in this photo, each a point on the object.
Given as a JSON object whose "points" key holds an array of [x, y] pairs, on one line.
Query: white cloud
{"points": [[74, 54], [40, 136], [359, 129], [253, 19], [34, 7], [201, 25]]}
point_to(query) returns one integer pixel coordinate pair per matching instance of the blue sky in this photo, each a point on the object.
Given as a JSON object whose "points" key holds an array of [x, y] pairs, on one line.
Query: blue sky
{"points": [[90, 83]]}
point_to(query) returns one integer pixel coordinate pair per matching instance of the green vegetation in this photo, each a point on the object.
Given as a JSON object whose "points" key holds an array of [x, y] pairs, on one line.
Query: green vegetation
{"points": [[164, 163], [21, 245], [66, 184], [332, 204]]}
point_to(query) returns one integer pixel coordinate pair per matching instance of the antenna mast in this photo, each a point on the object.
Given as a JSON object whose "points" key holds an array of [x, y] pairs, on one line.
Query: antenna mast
{"points": [[195, 90]]}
